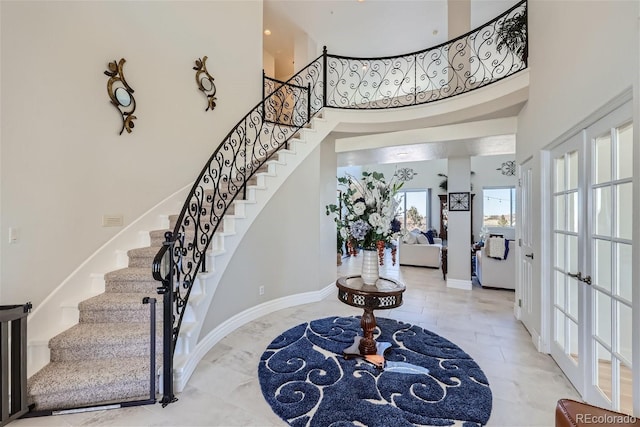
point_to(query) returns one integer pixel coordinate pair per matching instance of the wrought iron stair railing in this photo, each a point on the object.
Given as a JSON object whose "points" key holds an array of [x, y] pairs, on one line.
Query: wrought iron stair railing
{"points": [[461, 65]]}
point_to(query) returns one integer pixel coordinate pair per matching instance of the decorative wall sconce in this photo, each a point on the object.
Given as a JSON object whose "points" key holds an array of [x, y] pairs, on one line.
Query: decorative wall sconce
{"points": [[205, 83], [508, 168], [405, 174], [121, 94]]}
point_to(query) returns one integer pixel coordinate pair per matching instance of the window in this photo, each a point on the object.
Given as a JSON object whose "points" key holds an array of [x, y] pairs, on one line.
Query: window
{"points": [[414, 208], [499, 207]]}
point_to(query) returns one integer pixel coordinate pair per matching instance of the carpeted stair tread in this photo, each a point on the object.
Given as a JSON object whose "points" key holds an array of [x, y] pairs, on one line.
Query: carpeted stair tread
{"points": [[158, 236], [137, 274], [117, 306], [86, 341], [148, 251], [132, 280], [142, 257], [115, 301], [99, 334], [70, 384]]}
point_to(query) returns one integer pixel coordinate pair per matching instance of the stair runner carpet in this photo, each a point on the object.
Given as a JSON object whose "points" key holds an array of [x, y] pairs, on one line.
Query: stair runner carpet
{"points": [[105, 357]]}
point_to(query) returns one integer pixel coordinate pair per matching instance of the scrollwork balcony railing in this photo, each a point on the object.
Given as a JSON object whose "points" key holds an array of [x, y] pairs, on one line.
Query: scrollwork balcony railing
{"points": [[466, 63]]}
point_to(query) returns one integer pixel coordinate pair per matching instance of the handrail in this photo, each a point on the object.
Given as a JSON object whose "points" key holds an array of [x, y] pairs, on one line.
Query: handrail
{"points": [[254, 140], [463, 64]]}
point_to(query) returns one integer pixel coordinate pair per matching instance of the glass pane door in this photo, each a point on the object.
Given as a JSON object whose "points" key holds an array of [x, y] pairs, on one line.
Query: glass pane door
{"points": [[567, 247], [611, 247]]}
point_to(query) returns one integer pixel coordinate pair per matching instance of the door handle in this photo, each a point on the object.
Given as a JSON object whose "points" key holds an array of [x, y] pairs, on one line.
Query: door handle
{"points": [[529, 255], [586, 279], [577, 276]]}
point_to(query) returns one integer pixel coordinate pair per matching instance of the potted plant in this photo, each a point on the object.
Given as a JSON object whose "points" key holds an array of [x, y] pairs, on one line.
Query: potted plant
{"points": [[444, 184], [512, 34]]}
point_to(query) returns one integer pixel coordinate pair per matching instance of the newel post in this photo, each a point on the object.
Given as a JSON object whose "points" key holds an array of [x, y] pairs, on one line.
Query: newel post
{"points": [[324, 76]]}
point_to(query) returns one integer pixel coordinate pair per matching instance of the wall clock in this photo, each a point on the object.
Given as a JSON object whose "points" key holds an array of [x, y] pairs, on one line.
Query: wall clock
{"points": [[459, 201]]}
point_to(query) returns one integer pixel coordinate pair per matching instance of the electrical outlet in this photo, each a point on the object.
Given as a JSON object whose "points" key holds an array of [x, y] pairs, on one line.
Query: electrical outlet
{"points": [[261, 290]]}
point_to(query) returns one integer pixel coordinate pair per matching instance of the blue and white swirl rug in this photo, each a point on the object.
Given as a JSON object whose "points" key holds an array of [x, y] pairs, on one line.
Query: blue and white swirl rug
{"points": [[307, 382]]}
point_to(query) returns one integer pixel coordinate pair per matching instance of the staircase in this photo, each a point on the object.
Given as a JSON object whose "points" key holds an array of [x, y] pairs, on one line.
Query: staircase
{"points": [[104, 358], [100, 351]]}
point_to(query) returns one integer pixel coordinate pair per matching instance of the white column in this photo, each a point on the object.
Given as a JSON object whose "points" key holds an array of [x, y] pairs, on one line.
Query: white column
{"points": [[459, 226], [459, 22]]}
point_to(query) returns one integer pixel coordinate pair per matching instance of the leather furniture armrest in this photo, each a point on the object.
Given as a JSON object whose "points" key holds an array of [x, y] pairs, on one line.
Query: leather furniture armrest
{"points": [[571, 413]]}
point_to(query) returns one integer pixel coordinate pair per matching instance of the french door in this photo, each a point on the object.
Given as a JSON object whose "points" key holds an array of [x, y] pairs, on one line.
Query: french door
{"points": [[592, 304], [568, 296]]}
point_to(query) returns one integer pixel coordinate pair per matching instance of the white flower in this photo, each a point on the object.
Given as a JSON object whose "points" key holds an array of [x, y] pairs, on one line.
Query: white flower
{"points": [[376, 220], [351, 217], [359, 208], [344, 233]]}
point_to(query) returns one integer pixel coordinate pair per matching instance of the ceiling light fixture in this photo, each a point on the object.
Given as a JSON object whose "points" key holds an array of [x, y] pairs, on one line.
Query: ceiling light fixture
{"points": [[267, 32], [402, 154]]}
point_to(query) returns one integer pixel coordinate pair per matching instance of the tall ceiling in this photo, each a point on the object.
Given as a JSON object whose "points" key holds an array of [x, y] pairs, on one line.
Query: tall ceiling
{"points": [[367, 28]]}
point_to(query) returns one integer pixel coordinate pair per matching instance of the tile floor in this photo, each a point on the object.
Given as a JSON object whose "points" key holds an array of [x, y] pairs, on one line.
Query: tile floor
{"points": [[224, 389]]}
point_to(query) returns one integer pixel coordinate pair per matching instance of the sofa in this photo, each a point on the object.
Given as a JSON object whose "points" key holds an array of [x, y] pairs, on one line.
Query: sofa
{"points": [[571, 413], [494, 272], [413, 250]]}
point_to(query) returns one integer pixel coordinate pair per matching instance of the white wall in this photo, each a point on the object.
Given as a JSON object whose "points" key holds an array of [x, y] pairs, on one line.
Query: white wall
{"points": [[483, 11], [582, 54], [63, 163], [287, 250], [268, 64]]}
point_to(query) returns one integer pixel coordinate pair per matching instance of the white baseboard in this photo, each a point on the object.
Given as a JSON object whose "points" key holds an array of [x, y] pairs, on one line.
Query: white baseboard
{"points": [[459, 284], [183, 373]]}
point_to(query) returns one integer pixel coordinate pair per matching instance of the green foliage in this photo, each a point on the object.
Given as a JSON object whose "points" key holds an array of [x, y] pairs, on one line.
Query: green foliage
{"points": [[444, 184], [414, 219], [512, 34]]}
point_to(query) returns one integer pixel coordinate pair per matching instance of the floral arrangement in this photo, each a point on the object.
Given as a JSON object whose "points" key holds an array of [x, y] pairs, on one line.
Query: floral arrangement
{"points": [[370, 206]]}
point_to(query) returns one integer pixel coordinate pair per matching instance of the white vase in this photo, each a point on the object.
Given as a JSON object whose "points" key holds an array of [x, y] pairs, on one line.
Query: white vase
{"points": [[370, 272]]}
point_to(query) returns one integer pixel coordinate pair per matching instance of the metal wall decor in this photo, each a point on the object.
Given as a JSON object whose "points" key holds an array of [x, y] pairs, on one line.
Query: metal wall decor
{"points": [[459, 201], [405, 174], [204, 80], [121, 94], [508, 168]]}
